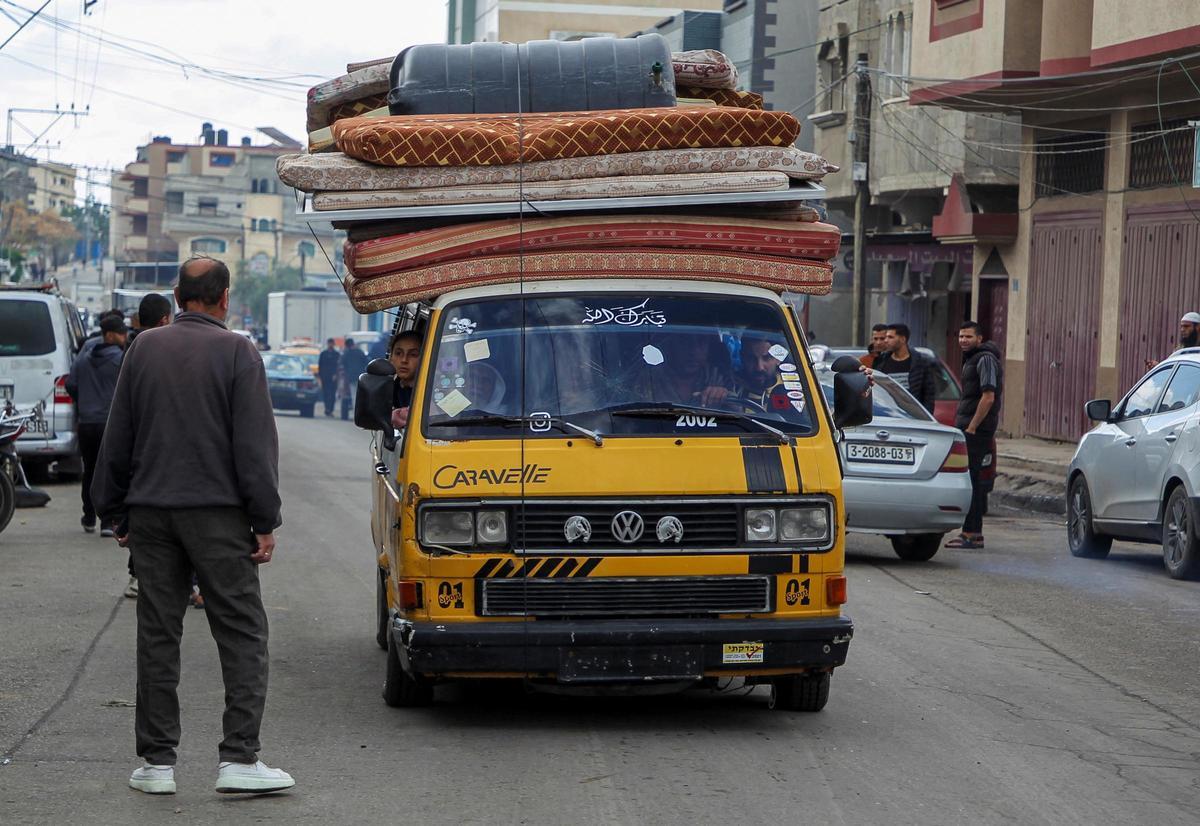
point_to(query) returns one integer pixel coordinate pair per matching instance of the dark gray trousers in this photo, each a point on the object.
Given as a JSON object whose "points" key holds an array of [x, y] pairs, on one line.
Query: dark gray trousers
{"points": [[217, 542]]}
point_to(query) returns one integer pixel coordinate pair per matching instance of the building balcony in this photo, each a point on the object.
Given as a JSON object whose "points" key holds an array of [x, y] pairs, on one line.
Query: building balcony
{"points": [[136, 206], [137, 170], [136, 243]]}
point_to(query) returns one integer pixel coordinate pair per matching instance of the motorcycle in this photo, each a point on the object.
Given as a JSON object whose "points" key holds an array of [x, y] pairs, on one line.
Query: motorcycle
{"points": [[15, 490]]}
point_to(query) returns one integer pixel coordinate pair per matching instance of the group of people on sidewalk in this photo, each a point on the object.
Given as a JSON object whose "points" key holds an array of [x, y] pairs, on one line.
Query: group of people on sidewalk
{"points": [[340, 369], [978, 413]]}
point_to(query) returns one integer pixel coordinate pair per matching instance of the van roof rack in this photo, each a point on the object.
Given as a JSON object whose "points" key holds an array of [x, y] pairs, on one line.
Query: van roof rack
{"points": [[798, 191]]}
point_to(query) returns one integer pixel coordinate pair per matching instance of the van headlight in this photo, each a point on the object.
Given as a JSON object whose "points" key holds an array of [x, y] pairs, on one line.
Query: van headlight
{"points": [[446, 526], [464, 527], [760, 525], [806, 524], [491, 527]]}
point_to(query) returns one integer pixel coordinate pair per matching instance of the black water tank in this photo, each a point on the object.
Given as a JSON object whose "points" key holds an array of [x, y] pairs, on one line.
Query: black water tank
{"points": [[555, 76]]}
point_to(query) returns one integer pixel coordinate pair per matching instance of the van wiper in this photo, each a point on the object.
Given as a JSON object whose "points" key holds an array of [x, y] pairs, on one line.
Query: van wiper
{"points": [[661, 411], [515, 421]]}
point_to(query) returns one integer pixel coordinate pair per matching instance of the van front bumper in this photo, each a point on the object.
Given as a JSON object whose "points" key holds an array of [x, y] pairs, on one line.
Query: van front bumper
{"points": [[622, 651]]}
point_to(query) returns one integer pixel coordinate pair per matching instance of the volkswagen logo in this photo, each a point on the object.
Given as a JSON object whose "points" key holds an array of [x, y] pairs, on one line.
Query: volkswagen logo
{"points": [[628, 527]]}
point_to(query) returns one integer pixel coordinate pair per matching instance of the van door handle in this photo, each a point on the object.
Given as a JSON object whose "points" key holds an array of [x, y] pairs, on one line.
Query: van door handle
{"points": [[1171, 437], [1130, 442]]}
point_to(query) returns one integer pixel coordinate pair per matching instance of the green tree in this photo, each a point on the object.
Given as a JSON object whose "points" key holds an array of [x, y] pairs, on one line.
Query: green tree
{"points": [[90, 220], [249, 293]]}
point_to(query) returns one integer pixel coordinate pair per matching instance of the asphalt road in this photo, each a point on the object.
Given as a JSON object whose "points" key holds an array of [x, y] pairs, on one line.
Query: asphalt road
{"points": [[1014, 684]]}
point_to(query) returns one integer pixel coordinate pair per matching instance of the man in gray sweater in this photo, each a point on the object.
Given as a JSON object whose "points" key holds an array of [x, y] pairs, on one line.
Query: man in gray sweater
{"points": [[188, 472]]}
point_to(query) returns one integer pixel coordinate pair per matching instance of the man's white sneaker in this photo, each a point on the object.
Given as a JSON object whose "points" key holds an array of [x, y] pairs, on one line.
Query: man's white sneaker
{"points": [[131, 590], [239, 778], [153, 779]]}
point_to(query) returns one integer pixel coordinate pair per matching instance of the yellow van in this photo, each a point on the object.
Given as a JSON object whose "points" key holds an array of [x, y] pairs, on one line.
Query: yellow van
{"points": [[611, 482]]}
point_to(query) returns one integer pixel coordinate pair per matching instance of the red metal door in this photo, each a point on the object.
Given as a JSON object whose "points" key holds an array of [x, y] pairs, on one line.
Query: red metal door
{"points": [[1160, 282], [993, 310], [1063, 323]]}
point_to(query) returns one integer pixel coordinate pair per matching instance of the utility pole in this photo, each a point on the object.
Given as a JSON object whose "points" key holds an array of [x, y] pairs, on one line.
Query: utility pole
{"points": [[862, 198]]}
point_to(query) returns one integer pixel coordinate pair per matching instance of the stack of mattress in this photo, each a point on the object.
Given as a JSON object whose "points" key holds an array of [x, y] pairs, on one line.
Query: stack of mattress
{"points": [[716, 141]]}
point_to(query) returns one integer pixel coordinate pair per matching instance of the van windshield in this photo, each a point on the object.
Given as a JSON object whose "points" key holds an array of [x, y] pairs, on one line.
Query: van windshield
{"points": [[616, 363], [25, 328]]}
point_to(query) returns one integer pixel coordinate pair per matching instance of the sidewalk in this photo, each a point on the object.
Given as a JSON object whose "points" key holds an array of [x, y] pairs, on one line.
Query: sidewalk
{"points": [[1031, 474]]}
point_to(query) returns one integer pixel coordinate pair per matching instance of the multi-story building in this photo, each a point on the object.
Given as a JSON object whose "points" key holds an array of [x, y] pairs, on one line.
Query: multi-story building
{"points": [[54, 187], [1103, 258], [917, 170], [209, 198], [517, 21], [770, 42]]}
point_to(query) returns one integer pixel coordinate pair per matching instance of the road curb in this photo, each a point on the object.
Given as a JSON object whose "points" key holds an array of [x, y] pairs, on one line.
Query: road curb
{"points": [[1038, 502]]}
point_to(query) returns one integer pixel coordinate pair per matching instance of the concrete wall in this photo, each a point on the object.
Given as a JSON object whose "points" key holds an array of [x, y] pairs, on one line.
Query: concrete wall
{"points": [[1066, 36], [1119, 22], [1009, 40]]}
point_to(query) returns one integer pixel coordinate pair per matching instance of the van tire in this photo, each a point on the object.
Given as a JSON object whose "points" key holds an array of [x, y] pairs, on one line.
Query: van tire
{"points": [[1180, 537], [800, 692], [399, 689], [917, 547], [381, 610], [8, 498], [1082, 538]]}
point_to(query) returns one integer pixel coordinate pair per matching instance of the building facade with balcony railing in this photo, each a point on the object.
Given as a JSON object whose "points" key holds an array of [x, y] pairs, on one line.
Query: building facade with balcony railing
{"points": [[1103, 261]]}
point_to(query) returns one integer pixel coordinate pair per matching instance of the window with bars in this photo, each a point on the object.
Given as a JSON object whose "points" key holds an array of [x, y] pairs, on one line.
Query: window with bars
{"points": [[896, 55], [1161, 155], [833, 61], [1070, 164]]}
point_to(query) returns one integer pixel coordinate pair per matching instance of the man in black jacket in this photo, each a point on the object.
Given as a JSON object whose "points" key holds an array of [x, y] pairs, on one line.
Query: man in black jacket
{"points": [[327, 371], [977, 417], [906, 367], [189, 471], [354, 364], [91, 383]]}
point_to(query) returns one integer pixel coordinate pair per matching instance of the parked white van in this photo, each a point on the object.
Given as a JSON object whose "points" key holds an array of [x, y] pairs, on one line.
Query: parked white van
{"points": [[40, 333]]}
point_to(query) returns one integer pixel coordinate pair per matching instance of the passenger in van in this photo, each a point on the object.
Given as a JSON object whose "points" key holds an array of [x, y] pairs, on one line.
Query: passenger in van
{"points": [[485, 387], [695, 371], [759, 372], [404, 352]]}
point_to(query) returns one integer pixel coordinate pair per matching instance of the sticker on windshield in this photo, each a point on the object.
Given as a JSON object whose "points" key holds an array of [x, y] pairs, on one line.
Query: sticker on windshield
{"points": [[477, 350], [788, 368], [790, 376], [462, 326], [795, 394], [652, 355], [778, 351], [633, 316], [448, 364], [454, 403], [792, 385]]}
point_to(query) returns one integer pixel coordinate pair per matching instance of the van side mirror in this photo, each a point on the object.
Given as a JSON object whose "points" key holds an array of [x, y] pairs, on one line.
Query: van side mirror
{"points": [[1099, 410], [852, 403], [373, 400]]}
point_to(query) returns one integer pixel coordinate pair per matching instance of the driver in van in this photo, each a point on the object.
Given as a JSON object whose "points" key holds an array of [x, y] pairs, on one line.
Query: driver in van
{"points": [[697, 370], [404, 352]]}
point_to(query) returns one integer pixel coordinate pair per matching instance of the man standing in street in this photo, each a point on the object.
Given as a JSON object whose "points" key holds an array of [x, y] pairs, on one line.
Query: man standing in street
{"points": [[327, 370], [189, 472], [909, 369], [354, 364], [91, 383], [877, 347], [153, 311], [1189, 334], [977, 417]]}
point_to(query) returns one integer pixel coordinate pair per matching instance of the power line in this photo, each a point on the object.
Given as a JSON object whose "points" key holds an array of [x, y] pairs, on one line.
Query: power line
{"points": [[8, 39]]}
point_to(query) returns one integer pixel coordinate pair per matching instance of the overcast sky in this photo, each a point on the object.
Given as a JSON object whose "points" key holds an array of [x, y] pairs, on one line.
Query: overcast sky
{"points": [[293, 43]]}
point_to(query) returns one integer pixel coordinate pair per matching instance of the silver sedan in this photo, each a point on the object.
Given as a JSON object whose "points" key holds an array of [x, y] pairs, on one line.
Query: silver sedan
{"points": [[905, 476]]}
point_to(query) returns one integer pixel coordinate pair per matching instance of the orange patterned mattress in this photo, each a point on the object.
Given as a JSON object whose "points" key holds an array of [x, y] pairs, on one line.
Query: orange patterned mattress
{"points": [[474, 140], [770, 272], [406, 251]]}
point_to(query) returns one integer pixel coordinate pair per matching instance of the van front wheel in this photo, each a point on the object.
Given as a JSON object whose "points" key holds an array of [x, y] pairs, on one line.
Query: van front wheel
{"points": [[399, 689], [802, 692]]}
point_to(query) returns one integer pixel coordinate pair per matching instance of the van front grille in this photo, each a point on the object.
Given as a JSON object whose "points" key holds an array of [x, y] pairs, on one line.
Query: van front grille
{"points": [[650, 596]]}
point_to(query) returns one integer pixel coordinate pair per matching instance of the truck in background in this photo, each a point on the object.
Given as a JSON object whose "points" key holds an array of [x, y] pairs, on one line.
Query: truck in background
{"points": [[308, 314]]}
